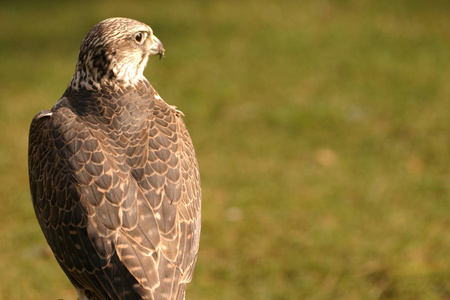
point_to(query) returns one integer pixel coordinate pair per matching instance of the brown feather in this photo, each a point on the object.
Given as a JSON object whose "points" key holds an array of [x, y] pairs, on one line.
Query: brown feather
{"points": [[116, 189]]}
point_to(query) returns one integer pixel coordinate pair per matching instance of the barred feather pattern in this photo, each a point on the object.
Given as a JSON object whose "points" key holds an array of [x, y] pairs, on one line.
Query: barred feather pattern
{"points": [[116, 190]]}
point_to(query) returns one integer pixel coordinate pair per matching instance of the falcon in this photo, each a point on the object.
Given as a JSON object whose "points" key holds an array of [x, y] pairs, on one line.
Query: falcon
{"points": [[113, 175]]}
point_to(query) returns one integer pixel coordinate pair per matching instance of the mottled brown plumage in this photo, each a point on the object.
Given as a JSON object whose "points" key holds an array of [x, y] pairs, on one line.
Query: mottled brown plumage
{"points": [[113, 174]]}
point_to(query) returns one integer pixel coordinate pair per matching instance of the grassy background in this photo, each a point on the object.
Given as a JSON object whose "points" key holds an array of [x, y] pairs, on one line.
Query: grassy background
{"points": [[322, 129]]}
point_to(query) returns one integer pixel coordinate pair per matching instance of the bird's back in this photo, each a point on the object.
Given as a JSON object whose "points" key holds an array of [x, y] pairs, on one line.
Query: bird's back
{"points": [[116, 190]]}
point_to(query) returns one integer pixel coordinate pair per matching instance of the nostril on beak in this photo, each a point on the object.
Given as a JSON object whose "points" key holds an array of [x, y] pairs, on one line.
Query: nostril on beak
{"points": [[161, 50], [157, 48]]}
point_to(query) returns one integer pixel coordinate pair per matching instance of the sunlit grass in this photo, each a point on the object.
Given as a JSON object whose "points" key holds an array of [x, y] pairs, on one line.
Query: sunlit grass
{"points": [[321, 129]]}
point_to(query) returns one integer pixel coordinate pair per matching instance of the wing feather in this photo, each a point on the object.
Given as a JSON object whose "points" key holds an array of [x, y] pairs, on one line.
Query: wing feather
{"points": [[120, 209]]}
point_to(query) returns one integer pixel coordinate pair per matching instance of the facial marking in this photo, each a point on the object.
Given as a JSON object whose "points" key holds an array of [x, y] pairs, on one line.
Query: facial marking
{"points": [[115, 50]]}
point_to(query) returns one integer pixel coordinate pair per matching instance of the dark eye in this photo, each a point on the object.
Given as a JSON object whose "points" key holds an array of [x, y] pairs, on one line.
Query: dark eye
{"points": [[139, 37]]}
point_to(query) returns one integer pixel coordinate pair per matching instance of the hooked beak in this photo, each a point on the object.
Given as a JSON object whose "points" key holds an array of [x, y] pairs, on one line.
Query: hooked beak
{"points": [[157, 47]]}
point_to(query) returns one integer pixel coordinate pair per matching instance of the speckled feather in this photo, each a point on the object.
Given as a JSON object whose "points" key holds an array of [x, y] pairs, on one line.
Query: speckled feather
{"points": [[115, 182]]}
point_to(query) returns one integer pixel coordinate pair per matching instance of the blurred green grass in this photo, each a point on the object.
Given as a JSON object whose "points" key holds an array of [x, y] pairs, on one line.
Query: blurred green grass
{"points": [[321, 128]]}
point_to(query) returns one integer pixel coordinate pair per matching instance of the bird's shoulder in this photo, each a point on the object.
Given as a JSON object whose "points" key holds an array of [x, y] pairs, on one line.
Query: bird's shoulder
{"points": [[43, 127], [61, 112]]}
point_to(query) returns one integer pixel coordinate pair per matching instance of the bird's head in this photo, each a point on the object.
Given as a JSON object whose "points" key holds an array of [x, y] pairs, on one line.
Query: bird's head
{"points": [[115, 50]]}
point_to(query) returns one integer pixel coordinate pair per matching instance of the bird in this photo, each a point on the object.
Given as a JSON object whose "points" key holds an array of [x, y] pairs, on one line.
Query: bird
{"points": [[113, 175]]}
